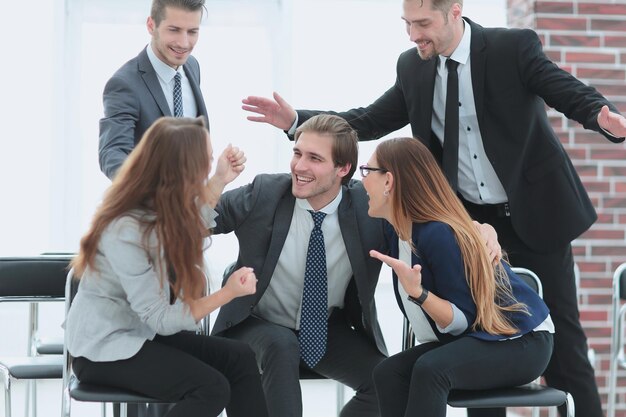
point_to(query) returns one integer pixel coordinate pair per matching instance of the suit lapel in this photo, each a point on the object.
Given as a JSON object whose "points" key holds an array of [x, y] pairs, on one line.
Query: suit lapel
{"points": [[478, 55], [352, 240], [194, 81], [152, 82], [282, 222], [424, 110]]}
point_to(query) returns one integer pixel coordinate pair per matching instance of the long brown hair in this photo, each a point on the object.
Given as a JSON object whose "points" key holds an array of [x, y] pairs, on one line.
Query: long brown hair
{"points": [[421, 194], [162, 178]]}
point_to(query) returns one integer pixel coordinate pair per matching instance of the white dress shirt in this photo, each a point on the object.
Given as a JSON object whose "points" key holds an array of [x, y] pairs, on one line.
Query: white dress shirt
{"points": [[282, 301], [478, 181], [166, 74]]}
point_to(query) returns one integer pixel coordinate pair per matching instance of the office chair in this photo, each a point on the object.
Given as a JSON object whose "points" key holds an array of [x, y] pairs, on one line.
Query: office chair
{"points": [[32, 280], [617, 358], [529, 395], [73, 389]]}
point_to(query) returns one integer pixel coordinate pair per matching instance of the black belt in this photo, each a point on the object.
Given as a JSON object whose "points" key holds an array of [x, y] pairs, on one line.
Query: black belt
{"points": [[493, 210]]}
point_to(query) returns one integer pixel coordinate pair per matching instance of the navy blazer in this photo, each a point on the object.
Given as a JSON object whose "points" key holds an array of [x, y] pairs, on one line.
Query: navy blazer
{"points": [[443, 274], [512, 80]]}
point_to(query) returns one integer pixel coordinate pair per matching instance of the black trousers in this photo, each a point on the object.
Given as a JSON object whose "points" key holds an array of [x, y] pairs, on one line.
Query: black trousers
{"points": [[569, 368], [417, 381], [201, 374], [350, 358]]}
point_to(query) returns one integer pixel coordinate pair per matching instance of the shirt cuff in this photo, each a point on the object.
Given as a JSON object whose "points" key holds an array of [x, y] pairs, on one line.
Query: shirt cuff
{"points": [[458, 324], [294, 126]]}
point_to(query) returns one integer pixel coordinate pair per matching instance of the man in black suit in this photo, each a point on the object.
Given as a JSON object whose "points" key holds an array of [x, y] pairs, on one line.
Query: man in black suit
{"points": [[511, 170], [143, 89]]}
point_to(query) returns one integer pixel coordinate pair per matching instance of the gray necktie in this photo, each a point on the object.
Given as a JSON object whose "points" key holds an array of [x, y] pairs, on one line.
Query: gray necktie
{"points": [[178, 96]]}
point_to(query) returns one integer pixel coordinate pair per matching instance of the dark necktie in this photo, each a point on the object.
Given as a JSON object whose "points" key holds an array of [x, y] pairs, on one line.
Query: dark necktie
{"points": [[178, 96], [313, 318], [450, 160]]}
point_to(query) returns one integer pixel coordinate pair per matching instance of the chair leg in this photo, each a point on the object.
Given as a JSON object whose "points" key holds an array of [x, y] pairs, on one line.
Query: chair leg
{"points": [[6, 381], [123, 410], [571, 409], [340, 397], [66, 402]]}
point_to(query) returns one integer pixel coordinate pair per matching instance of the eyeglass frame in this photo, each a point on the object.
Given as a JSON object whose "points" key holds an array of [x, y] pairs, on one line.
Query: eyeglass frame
{"points": [[365, 170]]}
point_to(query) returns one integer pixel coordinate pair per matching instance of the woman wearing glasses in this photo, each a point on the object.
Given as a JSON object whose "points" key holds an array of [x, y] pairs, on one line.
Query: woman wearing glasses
{"points": [[479, 326], [141, 294]]}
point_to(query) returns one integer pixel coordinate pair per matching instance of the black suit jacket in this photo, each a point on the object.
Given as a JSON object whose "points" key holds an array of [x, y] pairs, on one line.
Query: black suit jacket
{"points": [[512, 81], [260, 215], [133, 99]]}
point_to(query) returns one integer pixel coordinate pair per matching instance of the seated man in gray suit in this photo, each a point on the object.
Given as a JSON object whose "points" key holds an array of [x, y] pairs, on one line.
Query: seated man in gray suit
{"points": [[163, 80], [307, 235]]}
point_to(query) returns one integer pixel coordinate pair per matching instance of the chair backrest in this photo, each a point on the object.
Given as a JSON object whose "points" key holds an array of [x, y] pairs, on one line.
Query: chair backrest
{"points": [[530, 278], [37, 278]]}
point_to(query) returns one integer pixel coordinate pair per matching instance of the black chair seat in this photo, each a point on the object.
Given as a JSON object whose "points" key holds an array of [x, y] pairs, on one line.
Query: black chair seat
{"points": [[103, 394], [530, 395], [34, 367]]}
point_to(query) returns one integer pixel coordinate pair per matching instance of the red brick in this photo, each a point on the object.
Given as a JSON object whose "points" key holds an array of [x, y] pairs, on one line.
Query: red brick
{"points": [[614, 152], [601, 73], [615, 41], [586, 170], [553, 7], [589, 266], [594, 186], [604, 234], [605, 218], [613, 25], [585, 57], [601, 8], [589, 41], [555, 56], [599, 299], [614, 171], [597, 282], [576, 153], [561, 23], [614, 202], [608, 251], [620, 187], [593, 315], [609, 90], [579, 250]]}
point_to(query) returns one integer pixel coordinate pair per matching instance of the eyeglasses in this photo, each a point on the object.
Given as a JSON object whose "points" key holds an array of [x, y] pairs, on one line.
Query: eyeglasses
{"points": [[365, 170]]}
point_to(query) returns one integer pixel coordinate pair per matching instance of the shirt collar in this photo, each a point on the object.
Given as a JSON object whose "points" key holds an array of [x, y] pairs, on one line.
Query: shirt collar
{"points": [[462, 52], [330, 208], [164, 71]]}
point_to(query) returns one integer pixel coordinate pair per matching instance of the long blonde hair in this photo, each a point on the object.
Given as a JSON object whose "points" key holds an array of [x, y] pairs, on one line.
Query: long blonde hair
{"points": [[421, 194], [163, 177]]}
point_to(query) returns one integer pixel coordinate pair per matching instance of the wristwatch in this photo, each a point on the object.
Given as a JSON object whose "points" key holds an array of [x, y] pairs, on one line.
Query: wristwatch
{"points": [[419, 300]]}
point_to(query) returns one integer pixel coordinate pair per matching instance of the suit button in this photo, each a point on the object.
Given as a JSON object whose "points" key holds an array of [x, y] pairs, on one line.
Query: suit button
{"points": [[251, 306], [229, 324]]}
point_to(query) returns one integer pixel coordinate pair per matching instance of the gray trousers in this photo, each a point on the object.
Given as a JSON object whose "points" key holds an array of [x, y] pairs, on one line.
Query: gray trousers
{"points": [[350, 359]]}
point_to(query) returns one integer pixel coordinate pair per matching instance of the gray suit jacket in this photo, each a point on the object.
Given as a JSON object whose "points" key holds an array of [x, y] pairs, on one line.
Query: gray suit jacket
{"points": [[260, 215], [133, 99]]}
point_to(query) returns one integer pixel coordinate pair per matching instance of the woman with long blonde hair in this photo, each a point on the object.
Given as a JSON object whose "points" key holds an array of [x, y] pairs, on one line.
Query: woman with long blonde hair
{"points": [[479, 325], [141, 296]]}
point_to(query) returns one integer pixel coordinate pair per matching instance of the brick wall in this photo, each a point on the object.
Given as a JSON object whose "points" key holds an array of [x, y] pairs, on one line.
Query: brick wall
{"points": [[588, 39]]}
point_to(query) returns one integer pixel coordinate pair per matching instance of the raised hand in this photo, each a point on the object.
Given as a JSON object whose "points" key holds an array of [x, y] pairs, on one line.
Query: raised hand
{"points": [[613, 123], [276, 112], [409, 277], [230, 164], [242, 282]]}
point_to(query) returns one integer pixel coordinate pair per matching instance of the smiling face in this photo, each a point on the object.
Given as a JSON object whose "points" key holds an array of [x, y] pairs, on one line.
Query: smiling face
{"points": [[376, 184], [175, 36], [313, 172], [433, 31]]}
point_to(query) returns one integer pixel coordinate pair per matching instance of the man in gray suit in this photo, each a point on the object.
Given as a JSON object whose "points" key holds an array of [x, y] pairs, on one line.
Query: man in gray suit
{"points": [[271, 220], [163, 80]]}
